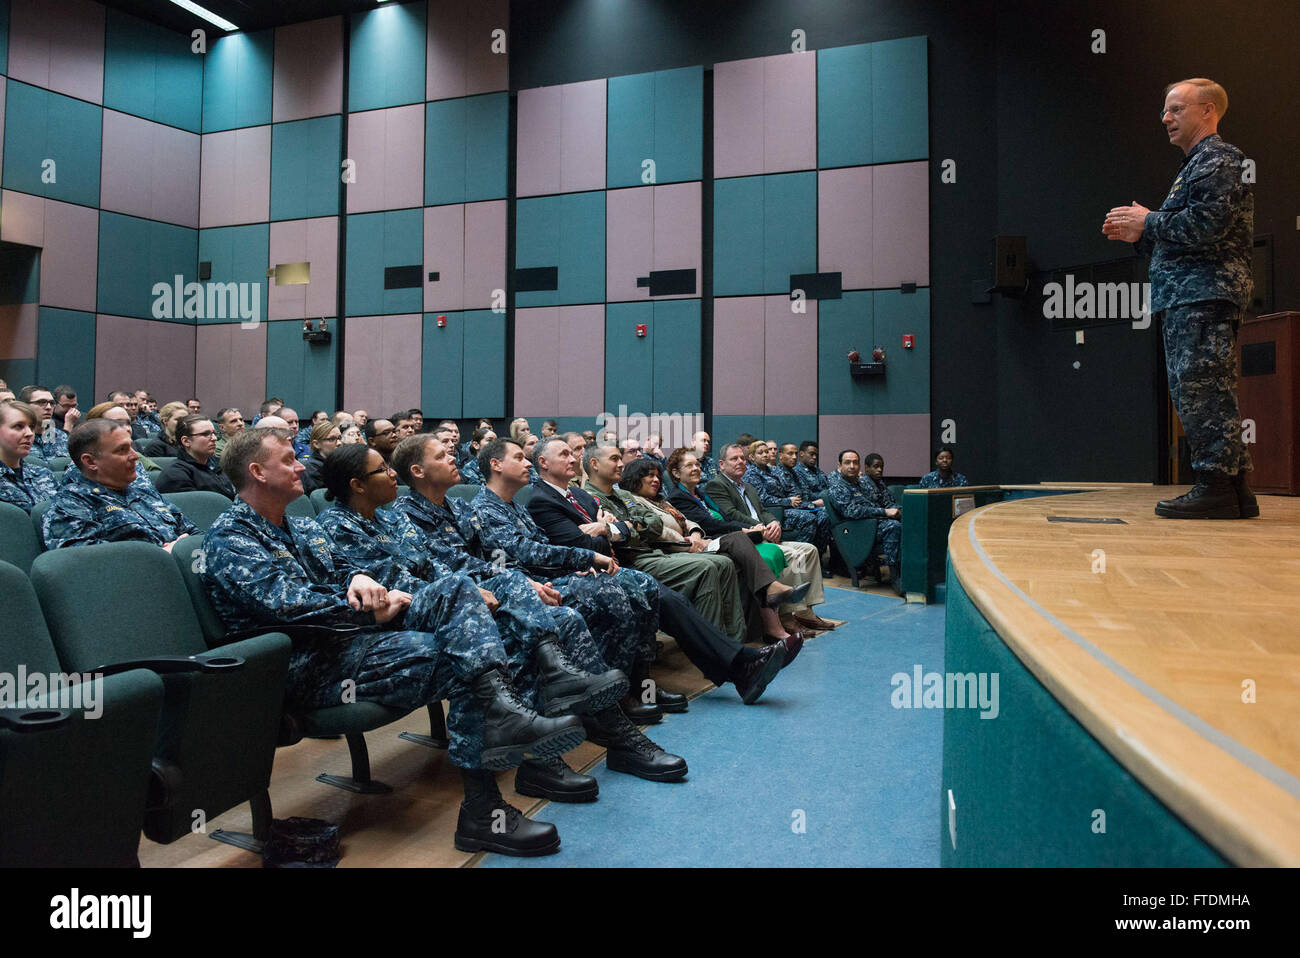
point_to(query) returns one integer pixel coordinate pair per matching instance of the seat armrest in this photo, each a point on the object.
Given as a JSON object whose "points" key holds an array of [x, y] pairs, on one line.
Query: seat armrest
{"points": [[173, 664], [32, 719]]}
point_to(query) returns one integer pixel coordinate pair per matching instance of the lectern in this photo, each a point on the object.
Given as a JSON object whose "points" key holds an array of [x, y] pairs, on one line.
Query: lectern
{"points": [[1269, 396]]}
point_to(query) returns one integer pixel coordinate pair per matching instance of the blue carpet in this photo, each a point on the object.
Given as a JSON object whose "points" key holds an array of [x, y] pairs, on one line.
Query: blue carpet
{"points": [[823, 741]]}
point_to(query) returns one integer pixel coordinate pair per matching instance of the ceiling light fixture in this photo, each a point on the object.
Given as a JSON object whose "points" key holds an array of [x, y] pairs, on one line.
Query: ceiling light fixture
{"points": [[207, 15]]}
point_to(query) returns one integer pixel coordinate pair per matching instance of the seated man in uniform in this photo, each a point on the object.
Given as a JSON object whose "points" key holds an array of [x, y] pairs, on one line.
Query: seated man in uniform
{"points": [[620, 606], [856, 499], [21, 484], [802, 522], [101, 499], [51, 441], [701, 443], [352, 636], [808, 476], [381, 435]]}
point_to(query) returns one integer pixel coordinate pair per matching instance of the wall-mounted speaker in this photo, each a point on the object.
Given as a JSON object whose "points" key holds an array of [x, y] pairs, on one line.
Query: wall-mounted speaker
{"points": [[1010, 264]]}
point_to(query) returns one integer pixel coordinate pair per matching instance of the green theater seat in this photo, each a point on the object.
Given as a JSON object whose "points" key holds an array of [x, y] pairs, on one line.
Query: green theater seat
{"points": [[466, 491], [127, 602], [201, 507], [73, 783], [20, 543], [318, 501], [302, 507], [853, 539]]}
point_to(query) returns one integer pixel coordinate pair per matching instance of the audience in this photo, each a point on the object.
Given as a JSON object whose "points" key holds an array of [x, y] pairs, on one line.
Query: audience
{"points": [[51, 441], [129, 401], [470, 473], [855, 498], [231, 423], [195, 407], [66, 413], [351, 434], [381, 435], [405, 424], [800, 523], [577, 444], [21, 484], [808, 477], [291, 421], [325, 438], [943, 476], [519, 428], [550, 428], [165, 442], [196, 467], [360, 418], [147, 412]]}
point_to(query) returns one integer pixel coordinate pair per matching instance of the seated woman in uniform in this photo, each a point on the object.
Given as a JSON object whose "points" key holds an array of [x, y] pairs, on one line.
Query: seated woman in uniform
{"points": [[943, 477], [325, 438], [469, 472], [21, 484], [166, 443]]}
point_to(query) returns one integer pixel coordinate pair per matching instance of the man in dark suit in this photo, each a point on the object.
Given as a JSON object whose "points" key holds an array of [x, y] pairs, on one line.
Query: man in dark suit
{"points": [[572, 517]]}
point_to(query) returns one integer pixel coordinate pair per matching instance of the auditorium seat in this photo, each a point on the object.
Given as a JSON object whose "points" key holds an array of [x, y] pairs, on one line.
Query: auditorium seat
{"points": [[163, 462], [38, 515], [19, 541], [58, 464], [853, 539], [301, 507], [318, 502], [200, 506], [73, 787], [523, 496], [466, 491], [350, 721], [127, 602]]}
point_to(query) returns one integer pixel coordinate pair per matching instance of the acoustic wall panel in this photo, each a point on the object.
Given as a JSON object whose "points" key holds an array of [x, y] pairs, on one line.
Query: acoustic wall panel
{"points": [[844, 104], [739, 325], [444, 256], [152, 72], [900, 128], [387, 57], [376, 243], [67, 351], [536, 358], [58, 45], [442, 365], [738, 236], [3, 83], [844, 226], [676, 357], [238, 255], [656, 117], [387, 147], [308, 75], [150, 170], [44, 128], [485, 255], [313, 241], [548, 339], [23, 219], [465, 247], [230, 366], [789, 369], [782, 429], [560, 142], [845, 324], [466, 146], [237, 75], [789, 229], [485, 364], [295, 367], [900, 212], [69, 256], [902, 441], [306, 168], [18, 326], [566, 232], [629, 358], [907, 386], [133, 353], [136, 254], [463, 55], [236, 177], [651, 229], [765, 115], [738, 118], [381, 369]]}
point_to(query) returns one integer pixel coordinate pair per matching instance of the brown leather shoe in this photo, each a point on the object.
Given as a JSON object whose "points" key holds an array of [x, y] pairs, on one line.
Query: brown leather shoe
{"points": [[810, 619]]}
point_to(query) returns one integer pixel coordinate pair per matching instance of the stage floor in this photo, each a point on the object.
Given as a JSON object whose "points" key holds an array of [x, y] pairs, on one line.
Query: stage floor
{"points": [[1175, 643]]}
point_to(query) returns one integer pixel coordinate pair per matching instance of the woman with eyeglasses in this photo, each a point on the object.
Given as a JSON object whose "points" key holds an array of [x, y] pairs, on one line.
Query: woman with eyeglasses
{"points": [[196, 468], [325, 438]]}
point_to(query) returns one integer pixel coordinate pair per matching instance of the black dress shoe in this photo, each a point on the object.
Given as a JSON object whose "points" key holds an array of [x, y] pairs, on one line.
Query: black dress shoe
{"points": [[630, 751], [670, 701], [795, 595], [1213, 497], [752, 677], [565, 688], [1247, 504], [552, 778], [488, 823], [513, 732]]}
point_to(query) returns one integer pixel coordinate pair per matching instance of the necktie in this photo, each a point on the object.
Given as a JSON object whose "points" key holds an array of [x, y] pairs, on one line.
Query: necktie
{"points": [[573, 501]]}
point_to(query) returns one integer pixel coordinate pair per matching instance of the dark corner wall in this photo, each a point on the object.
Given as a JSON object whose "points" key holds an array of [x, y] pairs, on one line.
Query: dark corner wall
{"points": [[1047, 135]]}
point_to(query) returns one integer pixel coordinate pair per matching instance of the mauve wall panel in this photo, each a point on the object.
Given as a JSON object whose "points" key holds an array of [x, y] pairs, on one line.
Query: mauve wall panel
{"points": [[174, 169], [235, 186], [738, 327], [900, 204], [581, 339], [677, 230], [485, 71], [582, 137], [446, 50], [22, 218], [902, 440], [539, 126], [629, 242], [149, 170], [313, 241], [18, 333], [381, 367], [790, 358], [738, 118], [444, 254], [230, 366], [485, 253], [537, 359], [308, 79], [388, 147], [69, 259], [143, 354], [790, 112], [844, 225], [58, 45]]}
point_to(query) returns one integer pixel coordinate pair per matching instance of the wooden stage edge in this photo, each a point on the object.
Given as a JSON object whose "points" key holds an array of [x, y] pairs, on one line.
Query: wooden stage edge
{"points": [[1175, 643]]}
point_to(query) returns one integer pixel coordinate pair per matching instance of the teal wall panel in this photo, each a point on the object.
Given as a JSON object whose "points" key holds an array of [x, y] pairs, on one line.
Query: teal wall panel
{"points": [[41, 125], [306, 159], [656, 116], [677, 350], [18, 372], [442, 366], [66, 351], [793, 429], [842, 324], [151, 72], [134, 254], [727, 428], [907, 377], [844, 106], [375, 242], [387, 53], [537, 243], [629, 359], [738, 236], [298, 369], [4, 37], [789, 229], [484, 390], [445, 159], [239, 254], [237, 81], [566, 231], [900, 100], [487, 122], [629, 130]]}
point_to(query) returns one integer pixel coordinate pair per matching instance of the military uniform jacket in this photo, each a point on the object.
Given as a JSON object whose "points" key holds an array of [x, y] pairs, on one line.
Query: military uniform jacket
{"points": [[27, 485], [51, 443], [454, 534], [470, 474], [932, 480], [1201, 239], [149, 422], [644, 526], [387, 548], [773, 490], [260, 575], [863, 499], [84, 513], [811, 483], [708, 468], [507, 527]]}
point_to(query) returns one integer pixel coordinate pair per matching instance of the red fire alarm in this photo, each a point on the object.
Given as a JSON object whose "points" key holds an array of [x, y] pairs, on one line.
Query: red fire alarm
{"points": [[640, 330], [908, 340], [442, 322]]}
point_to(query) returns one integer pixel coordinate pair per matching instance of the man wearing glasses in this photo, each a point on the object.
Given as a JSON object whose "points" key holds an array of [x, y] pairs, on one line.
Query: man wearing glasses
{"points": [[381, 435], [50, 441]]}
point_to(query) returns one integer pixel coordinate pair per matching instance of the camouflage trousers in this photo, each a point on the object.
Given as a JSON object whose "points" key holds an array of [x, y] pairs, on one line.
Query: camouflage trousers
{"points": [[889, 543], [622, 612], [1201, 359], [449, 640], [807, 525]]}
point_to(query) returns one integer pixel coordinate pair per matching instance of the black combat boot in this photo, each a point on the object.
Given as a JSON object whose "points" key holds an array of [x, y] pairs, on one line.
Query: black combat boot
{"points": [[552, 778], [664, 700], [1247, 504], [487, 823], [513, 732], [629, 750], [1213, 497], [565, 688]]}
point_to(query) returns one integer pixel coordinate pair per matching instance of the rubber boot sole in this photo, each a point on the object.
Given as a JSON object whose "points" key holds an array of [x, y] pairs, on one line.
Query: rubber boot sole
{"points": [[594, 700], [1221, 512], [482, 845], [505, 757], [533, 790]]}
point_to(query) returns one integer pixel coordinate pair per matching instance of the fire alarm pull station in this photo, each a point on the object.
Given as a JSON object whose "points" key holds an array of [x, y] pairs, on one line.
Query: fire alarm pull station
{"points": [[640, 330], [442, 322], [909, 340]]}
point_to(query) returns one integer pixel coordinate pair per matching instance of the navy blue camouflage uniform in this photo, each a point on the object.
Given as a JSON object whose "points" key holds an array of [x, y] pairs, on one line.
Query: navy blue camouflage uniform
{"points": [[1201, 244], [27, 485], [811, 483], [804, 523], [262, 576], [622, 611], [51, 443], [933, 480], [868, 499], [470, 474], [708, 468], [85, 512]]}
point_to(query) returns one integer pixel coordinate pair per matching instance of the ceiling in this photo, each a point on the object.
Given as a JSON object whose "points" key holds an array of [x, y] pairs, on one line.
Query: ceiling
{"points": [[246, 14]]}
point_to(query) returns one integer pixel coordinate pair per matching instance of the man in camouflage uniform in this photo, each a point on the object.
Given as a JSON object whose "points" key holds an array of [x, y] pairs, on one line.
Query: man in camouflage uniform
{"points": [[855, 499], [701, 443], [101, 499], [801, 522], [263, 569], [808, 477], [50, 441], [620, 606], [1200, 243]]}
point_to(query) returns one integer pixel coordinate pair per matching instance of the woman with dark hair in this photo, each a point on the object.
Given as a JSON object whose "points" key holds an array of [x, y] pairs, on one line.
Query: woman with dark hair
{"points": [[469, 472], [943, 476], [325, 438], [643, 480], [196, 468]]}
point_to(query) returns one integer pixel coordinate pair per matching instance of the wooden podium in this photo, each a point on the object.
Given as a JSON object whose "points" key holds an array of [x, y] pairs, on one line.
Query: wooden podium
{"points": [[1269, 394]]}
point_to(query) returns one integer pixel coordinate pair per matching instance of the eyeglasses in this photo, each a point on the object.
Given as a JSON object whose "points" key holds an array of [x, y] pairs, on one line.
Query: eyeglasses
{"points": [[1175, 111], [384, 468], [42, 402], [202, 435]]}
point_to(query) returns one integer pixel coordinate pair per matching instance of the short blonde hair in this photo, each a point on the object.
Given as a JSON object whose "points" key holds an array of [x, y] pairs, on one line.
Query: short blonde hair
{"points": [[1207, 91]]}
